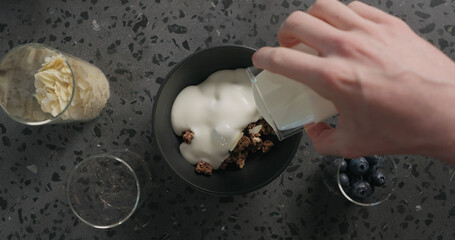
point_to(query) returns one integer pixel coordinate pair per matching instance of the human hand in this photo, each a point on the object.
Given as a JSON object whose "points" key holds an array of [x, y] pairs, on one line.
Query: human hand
{"points": [[394, 91]]}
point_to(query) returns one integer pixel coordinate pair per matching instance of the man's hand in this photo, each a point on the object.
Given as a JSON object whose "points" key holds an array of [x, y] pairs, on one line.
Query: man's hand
{"points": [[394, 91]]}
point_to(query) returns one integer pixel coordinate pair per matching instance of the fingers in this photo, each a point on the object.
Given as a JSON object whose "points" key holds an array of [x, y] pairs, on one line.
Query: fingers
{"points": [[371, 13], [336, 14], [323, 138], [303, 67], [314, 32]]}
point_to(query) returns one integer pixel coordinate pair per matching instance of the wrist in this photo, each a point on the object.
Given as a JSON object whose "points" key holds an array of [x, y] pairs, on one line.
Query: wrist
{"points": [[434, 134], [440, 134]]}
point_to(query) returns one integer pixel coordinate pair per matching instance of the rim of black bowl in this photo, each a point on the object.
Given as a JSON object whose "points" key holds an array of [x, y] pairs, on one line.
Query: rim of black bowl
{"points": [[217, 193]]}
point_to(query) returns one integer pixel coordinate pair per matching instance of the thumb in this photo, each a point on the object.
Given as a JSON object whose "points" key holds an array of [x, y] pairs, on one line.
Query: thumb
{"points": [[323, 138]]}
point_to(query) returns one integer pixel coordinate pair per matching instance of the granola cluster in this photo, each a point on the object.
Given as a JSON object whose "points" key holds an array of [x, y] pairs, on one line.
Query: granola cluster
{"points": [[188, 136], [256, 139], [203, 167]]}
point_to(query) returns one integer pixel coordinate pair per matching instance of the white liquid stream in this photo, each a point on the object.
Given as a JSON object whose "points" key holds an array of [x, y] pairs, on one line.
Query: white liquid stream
{"points": [[217, 110]]}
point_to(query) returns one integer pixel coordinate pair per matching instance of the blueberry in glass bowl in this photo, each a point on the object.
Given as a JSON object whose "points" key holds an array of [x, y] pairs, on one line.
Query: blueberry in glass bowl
{"points": [[358, 166], [365, 181]]}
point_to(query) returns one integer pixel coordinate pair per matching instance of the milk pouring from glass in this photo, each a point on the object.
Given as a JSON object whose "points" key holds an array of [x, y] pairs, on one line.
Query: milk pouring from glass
{"points": [[288, 105]]}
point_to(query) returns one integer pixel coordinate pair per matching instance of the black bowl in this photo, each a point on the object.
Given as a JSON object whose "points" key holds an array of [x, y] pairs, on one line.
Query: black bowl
{"points": [[258, 171]]}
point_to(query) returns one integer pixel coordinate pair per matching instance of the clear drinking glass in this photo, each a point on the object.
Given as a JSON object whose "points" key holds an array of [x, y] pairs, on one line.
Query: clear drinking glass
{"points": [[331, 169], [105, 190], [286, 104], [41, 85]]}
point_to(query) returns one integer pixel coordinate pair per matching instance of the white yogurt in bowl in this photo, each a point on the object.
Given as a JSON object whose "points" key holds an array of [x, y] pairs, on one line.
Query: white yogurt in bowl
{"points": [[216, 110]]}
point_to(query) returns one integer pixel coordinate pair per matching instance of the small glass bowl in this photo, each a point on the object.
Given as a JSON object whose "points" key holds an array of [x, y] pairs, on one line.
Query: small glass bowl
{"points": [[331, 170], [105, 190]]}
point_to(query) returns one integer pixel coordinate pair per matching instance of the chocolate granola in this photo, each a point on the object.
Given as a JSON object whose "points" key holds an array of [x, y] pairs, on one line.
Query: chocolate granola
{"points": [[188, 136], [256, 138], [204, 168]]}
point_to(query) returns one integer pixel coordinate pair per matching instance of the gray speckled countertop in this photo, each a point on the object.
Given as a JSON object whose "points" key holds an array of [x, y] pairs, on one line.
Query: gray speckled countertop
{"points": [[136, 43]]}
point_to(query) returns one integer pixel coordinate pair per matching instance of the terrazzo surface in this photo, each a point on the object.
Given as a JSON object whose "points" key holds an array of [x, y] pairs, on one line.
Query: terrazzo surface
{"points": [[136, 43]]}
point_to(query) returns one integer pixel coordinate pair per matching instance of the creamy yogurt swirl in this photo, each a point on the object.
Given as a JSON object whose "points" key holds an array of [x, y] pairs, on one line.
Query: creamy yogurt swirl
{"points": [[217, 110]]}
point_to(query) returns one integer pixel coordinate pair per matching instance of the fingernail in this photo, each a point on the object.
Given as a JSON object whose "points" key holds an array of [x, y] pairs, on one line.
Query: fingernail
{"points": [[289, 42]]}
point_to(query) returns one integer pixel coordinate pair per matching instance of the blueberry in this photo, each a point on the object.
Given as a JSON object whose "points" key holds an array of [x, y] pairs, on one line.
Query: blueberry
{"points": [[361, 189], [344, 180], [354, 178], [373, 168], [374, 160], [358, 166], [377, 178], [340, 161]]}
